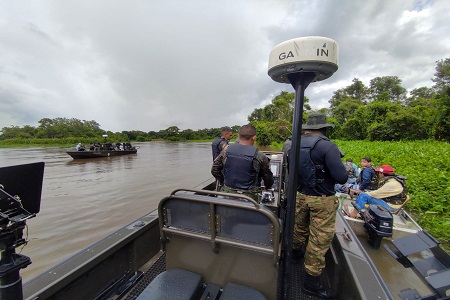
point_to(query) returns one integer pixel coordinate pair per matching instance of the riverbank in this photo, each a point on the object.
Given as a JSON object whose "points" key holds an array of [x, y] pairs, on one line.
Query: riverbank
{"points": [[68, 142]]}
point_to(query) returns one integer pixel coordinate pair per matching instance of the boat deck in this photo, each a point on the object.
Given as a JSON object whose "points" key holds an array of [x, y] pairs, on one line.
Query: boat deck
{"points": [[296, 280], [396, 277]]}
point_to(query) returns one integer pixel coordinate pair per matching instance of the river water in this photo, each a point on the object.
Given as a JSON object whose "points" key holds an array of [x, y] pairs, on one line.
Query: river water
{"points": [[85, 200]]}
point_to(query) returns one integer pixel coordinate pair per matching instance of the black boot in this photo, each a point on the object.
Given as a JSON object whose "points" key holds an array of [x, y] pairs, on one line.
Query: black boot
{"points": [[313, 286], [297, 255]]}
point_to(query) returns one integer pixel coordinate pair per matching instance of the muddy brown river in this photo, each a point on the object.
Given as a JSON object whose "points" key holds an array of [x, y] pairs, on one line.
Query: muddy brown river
{"points": [[85, 200]]}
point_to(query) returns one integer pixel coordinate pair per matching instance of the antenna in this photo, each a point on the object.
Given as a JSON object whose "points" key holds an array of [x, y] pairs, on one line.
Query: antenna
{"points": [[314, 54], [299, 62]]}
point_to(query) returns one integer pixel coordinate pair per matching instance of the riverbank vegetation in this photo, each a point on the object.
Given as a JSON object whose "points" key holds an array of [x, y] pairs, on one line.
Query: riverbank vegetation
{"points": [[410, 131]]}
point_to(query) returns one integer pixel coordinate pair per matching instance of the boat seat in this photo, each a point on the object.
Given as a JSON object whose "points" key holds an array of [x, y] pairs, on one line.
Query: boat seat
{"points": [[399, 207], [234, 291], [174, 284], [178, 284]]}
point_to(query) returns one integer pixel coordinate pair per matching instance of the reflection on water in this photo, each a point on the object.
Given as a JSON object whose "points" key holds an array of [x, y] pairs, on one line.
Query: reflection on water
{"points": [[85, 200]]}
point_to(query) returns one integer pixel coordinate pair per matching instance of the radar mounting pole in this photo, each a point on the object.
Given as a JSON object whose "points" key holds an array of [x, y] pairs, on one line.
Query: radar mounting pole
{"points": [[298, 62], [300, 82]]}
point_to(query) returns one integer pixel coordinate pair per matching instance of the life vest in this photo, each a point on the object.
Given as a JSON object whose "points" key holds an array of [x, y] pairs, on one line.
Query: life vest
{"points": [[307, 172], [238, 171], [215, 146], [399, 198]]}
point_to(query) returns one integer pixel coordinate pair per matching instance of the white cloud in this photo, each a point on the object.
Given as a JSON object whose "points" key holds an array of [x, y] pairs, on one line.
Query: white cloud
{"points": [[149, 65]]}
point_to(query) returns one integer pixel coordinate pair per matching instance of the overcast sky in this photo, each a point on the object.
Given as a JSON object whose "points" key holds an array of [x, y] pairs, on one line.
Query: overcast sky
{"points": [[148, 65]]}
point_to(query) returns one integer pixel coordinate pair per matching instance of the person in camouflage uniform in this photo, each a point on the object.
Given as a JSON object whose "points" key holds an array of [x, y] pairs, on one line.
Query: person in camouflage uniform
{"points": [[320, 168], [241, 166], [222, 142]]}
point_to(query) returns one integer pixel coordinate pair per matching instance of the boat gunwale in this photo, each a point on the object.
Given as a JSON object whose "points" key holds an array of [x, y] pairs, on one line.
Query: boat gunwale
{"points": [[38, 285]]}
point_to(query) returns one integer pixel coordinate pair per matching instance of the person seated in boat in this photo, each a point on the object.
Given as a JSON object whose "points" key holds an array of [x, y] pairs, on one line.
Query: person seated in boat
{"points": [[109, 146], [118, 144], [80, 147], [353, 173], [352, 170], [367, 179], [391, 189], [127, 146], [97, 146], [240, 167]]}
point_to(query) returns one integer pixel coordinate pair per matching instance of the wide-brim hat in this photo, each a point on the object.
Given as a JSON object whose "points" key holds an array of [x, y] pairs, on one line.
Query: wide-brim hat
{"points": [[316, 121]]}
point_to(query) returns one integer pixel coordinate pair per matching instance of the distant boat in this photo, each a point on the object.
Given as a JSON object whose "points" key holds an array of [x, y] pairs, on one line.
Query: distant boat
{"points": [[101, 153]]}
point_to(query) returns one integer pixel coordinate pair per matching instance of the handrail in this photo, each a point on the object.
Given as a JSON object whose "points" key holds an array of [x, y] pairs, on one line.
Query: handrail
{"points": [[228, 195]]}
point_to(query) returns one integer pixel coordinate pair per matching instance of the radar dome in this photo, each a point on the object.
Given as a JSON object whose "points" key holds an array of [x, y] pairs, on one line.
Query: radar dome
{"points": [[313, 54]]}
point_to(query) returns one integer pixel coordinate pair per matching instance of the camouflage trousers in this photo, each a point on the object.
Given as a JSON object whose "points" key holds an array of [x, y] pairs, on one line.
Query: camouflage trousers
{"points": [[315, 219], [254, 195]]}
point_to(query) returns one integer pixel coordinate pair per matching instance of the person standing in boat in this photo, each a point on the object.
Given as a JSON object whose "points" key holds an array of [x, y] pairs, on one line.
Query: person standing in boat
{"points": [[97, 146], [240, 167], [392, 189], [222, 142], [287, 145], [316, 204]]}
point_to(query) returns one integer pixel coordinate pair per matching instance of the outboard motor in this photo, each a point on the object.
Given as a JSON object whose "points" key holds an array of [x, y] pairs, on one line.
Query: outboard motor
{"points": [[378, 222]]}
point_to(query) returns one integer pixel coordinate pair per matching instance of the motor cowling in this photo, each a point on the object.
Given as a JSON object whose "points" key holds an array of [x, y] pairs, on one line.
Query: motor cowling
{"points": [[378, 222]]}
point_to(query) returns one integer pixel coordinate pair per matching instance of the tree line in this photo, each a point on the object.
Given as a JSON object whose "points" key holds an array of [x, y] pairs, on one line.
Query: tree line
{"points": [[63, 128], [381, 111]]}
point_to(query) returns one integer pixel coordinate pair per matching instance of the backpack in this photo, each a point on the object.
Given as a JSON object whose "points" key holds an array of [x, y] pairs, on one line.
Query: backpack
{"points": [[397, 199], [374, 182], [349, 167]]}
